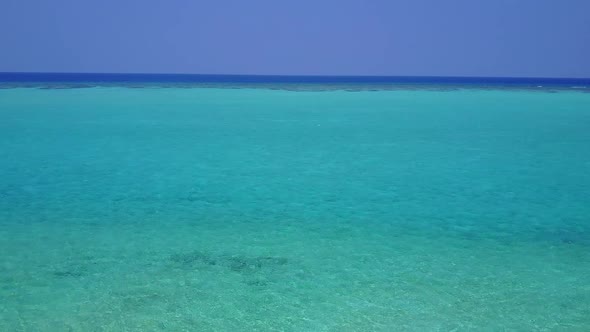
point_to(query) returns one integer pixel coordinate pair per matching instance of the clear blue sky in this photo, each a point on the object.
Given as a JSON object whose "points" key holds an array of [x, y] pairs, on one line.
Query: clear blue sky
{"points": [[547, 38]]}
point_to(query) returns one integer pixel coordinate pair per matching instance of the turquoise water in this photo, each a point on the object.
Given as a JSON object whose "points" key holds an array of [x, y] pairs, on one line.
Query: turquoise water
{"points": [[270, 210]]}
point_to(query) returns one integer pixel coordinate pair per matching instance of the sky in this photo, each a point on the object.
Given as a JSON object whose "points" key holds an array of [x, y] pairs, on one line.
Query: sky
{"points": [[513, 38]]}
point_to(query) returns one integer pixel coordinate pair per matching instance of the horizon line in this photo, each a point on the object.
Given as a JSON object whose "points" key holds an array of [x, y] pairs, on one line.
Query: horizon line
{"points": [[293, 75]]}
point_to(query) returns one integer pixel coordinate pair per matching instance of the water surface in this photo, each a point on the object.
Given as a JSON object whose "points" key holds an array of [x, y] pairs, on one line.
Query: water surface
{"points": [[274, 210]]}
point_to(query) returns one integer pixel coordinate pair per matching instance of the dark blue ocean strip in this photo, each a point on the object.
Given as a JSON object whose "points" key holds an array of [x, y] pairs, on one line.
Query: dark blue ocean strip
{"points": [[196, 78]]}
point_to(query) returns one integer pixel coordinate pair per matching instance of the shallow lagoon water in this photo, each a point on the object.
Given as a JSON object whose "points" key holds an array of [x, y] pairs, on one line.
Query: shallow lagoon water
{"points": [[272, 210]]}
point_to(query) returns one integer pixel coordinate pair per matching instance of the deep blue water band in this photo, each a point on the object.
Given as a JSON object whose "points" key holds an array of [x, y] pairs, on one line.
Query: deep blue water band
{"points": [[197, 78]]}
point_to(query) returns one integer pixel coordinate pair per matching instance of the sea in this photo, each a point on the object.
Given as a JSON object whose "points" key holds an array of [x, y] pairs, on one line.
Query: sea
{"points": [[153, 202]]}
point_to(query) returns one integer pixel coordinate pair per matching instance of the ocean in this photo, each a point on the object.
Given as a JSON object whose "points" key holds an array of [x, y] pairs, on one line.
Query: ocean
{"points": [[253, 203]]}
